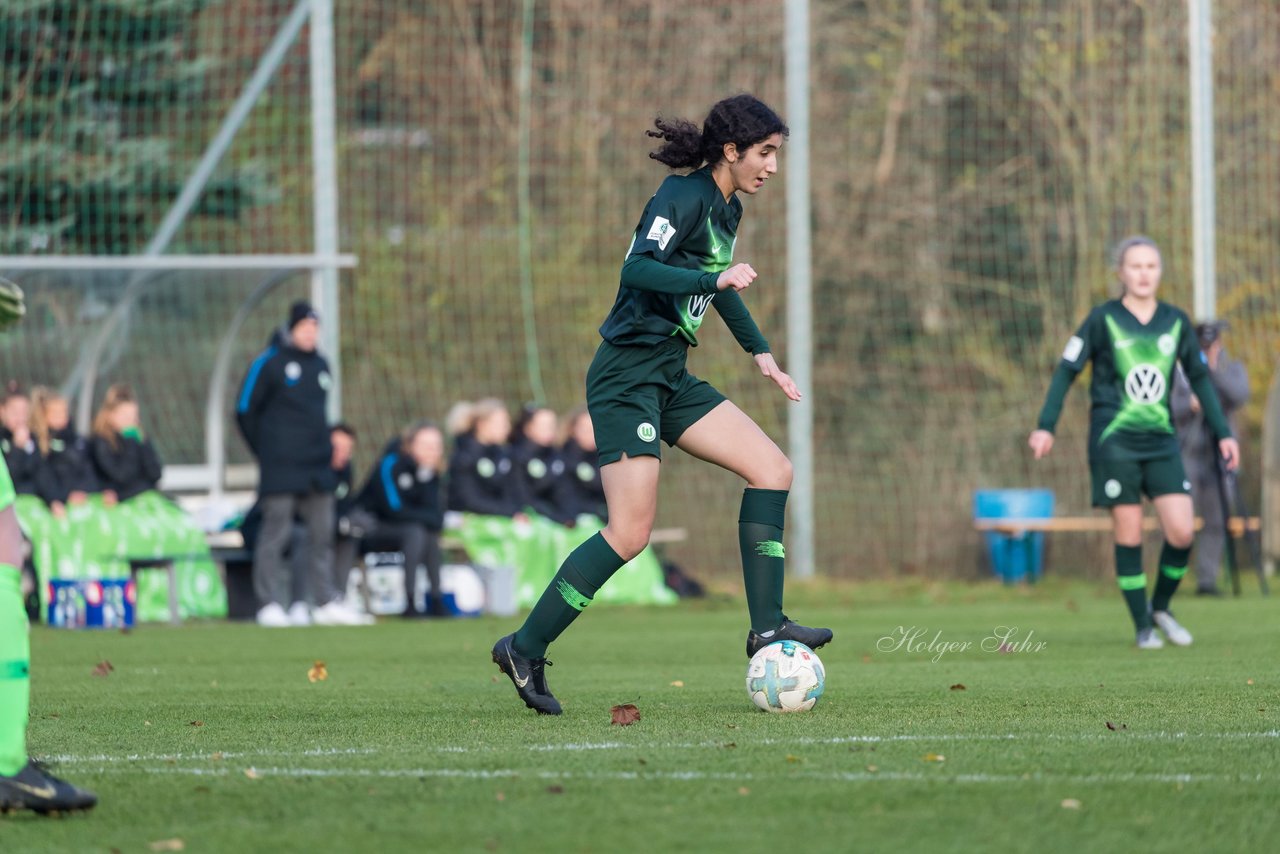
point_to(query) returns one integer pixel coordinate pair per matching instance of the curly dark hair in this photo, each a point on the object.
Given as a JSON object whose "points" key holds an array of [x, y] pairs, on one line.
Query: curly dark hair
{"points": [[743, 120]]}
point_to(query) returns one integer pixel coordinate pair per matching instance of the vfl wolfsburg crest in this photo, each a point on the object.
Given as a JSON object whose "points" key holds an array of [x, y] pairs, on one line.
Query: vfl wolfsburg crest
{"points": [[646, 432]]}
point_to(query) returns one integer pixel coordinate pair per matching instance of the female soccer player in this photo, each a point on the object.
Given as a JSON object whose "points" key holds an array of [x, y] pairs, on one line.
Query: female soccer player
{"points": [[639, 392], [1135, 343]]}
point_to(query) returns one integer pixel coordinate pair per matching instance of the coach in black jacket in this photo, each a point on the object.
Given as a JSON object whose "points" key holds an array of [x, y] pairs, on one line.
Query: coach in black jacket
{"points": [[281, 411]]}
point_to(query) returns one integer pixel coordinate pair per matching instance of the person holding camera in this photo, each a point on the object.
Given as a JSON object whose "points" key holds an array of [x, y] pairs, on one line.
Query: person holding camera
{"points": [[1199, 450]]}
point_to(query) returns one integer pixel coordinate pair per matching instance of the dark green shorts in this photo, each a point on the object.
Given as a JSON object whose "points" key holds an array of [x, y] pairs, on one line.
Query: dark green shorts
{"points": [[1126, 481], [638, 395]]}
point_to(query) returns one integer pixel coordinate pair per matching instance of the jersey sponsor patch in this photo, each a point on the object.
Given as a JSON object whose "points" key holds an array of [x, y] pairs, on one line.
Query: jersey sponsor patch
{"points": [[661, 231], [1074, 348]]}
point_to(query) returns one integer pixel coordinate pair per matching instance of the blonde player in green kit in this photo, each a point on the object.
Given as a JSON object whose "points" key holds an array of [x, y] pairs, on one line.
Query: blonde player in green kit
{"points": [[24, 785], [640, 394], [1135, 343]]}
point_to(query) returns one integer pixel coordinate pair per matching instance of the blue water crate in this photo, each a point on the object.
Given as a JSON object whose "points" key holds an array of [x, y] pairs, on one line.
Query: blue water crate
{"points": [[106, 603], [1014, 557]]}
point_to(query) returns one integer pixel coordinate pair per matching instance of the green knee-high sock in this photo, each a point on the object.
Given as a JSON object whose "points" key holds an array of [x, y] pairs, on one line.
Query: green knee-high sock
{"points": [[1173, 565], [1133, 584], [15, 686], [583, 572], [760, 524]]}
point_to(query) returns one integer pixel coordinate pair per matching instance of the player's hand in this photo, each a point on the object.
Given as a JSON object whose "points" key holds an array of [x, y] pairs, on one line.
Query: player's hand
{"points": [[109, 498], [1041, 443], [1230, 450], [13, 304], [58, 509], [739, 277], [78, 497], [1195, 403], [770, 369]]}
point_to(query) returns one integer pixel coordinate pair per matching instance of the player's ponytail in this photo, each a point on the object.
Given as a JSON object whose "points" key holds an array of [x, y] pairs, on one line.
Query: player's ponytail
{"points": [[743, 120]]}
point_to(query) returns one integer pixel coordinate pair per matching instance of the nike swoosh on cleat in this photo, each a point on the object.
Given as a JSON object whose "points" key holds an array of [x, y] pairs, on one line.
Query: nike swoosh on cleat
{"points": [[520, 683], [46, 792]]}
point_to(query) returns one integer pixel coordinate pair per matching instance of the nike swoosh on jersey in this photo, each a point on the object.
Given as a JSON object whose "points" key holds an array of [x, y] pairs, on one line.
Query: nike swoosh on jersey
{"points": [[520, 683]]}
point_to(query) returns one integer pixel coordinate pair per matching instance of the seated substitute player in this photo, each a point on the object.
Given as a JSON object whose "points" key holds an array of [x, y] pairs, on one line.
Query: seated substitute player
{"points": [[403, 493], [583, 492], [23, 783], [539, 469], [638, 391], [1135, 343]]}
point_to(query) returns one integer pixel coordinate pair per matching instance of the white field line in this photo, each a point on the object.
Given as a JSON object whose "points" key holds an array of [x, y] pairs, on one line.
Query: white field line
{"points": [[74, 759], [107, 759], [695, 776]]}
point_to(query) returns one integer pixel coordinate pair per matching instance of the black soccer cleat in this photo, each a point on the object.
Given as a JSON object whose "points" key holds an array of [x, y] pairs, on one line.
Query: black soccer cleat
{"points": [[527, 674], [33, 788], [812, 638]]}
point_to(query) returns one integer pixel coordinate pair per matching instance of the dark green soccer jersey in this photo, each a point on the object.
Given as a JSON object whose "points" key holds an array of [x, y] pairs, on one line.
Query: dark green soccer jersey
{"points": [[1133, 369], [682, 244]]}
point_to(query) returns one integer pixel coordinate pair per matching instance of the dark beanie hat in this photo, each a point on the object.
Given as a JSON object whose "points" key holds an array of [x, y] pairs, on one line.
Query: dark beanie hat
{"points": [[300, 311]]}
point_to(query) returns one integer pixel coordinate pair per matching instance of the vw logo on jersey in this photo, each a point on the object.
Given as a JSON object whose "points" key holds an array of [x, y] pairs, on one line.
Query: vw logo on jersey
{"points": [[1166, 344], [504, 465], [292, 372], [1145, 384], [557, 467], [537, 469], [698, 305]]}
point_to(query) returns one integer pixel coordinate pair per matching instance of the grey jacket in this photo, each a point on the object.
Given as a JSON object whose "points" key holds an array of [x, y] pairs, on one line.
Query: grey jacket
{"points": [[1232, 385]]}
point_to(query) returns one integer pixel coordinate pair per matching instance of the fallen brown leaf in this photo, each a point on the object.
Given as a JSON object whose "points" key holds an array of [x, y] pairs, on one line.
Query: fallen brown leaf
{"points": [[625, 714], [102, 668], [873, 768], [959, 686], [555, 790], [168, 845], [743, 790], [197, 723], [934, 757], [217, 757], [252, 774], [679, 683], [792, 758], [1116, 727], [318, 672], [1070, 804]]}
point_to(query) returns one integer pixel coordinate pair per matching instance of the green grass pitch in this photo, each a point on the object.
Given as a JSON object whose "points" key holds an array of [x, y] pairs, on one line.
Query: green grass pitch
{"points": [[1068, 740]]}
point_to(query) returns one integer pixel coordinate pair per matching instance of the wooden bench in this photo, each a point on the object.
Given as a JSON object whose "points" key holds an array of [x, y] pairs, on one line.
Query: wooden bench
{"points": [[1087, 524]]}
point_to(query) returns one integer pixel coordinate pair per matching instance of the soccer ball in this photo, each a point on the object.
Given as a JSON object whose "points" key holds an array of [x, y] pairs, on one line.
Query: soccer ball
{"points": [[785, 676]]}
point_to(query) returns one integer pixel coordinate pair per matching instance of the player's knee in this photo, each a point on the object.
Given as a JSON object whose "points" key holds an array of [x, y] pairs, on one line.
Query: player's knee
{"points": [[1180, 538], [628, 540], [776, 473]]}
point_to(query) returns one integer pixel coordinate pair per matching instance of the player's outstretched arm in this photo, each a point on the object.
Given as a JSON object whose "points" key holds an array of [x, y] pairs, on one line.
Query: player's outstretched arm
{"points": [[769, 367]]}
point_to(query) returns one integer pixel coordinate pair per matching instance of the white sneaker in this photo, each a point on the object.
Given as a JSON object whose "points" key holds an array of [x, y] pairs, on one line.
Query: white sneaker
{"points": [[299, 614], [339, 613], [1148, 639], [273, 616], [1173, 630]]}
